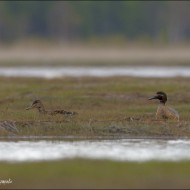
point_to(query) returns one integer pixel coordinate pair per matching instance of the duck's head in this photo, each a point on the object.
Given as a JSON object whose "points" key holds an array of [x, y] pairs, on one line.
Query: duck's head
{"points": [[35, 104], [160, 96]]}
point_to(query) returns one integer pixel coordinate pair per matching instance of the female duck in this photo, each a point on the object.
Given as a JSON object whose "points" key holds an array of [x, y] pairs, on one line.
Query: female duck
{"points": [[38, 105]]}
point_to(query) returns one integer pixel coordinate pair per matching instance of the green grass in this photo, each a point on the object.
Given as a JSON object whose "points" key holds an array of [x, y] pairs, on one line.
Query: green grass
{"points": [[88, 174], [101, 103]]}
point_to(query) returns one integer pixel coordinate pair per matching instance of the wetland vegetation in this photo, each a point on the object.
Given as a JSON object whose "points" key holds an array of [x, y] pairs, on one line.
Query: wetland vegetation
{"points": [[112, 106]]}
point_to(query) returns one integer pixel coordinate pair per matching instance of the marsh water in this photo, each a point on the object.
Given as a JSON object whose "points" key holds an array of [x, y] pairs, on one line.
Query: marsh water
{"points": [[137, 150], [94, 71]]}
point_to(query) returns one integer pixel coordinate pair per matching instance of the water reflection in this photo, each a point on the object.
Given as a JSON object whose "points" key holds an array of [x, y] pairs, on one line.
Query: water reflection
{"points": [[138, 150]]}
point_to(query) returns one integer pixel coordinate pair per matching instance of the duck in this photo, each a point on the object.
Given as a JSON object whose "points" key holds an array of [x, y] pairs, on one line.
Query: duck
{"points": [[163, 111], [40, 107]]}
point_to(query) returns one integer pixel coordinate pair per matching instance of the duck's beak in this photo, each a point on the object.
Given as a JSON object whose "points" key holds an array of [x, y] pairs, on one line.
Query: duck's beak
{"points": [[154, 97], [28, 108]]}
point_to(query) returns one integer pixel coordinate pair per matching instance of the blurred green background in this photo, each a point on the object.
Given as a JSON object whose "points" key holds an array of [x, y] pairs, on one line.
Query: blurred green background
{"points": [[83, 21]]}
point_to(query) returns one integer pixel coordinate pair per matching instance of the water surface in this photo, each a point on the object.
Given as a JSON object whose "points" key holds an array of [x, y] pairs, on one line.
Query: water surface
{"points": [[138, 150], [135, 71]]}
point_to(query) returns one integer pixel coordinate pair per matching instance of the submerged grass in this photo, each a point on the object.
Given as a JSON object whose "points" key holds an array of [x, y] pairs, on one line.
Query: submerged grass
{"points": [[107, 106]]}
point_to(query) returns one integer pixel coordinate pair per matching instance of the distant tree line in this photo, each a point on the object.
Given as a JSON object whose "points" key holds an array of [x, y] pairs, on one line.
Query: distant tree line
{"points": [[82, 20]]}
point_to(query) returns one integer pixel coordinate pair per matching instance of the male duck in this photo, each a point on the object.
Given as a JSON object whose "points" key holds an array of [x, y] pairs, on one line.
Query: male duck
{"points": [[164, 111]]}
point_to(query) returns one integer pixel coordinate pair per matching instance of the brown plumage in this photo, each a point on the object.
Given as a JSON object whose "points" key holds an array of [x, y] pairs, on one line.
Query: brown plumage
{"points": [[38, 105], [163, 110]]}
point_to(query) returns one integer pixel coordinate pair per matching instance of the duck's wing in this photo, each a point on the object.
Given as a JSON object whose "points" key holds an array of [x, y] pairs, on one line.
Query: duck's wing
{"points": [[173, 113], [63, 112]]}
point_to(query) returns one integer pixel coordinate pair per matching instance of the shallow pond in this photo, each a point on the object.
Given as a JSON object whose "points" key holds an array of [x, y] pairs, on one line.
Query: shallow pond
{"points": [[135, 71], [138, 150]]}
